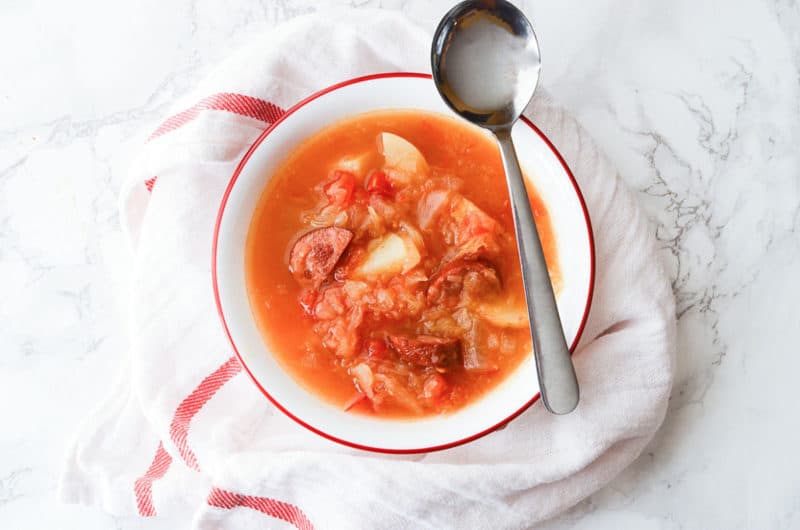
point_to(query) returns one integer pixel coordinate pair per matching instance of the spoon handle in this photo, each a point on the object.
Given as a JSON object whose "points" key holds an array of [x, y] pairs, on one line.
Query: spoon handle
{"points": [[557, 381]]}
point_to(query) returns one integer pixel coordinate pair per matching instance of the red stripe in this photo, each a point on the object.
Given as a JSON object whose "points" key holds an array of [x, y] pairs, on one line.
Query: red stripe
{"points": [[189, 407], [179, 428], [143, 487], [284, 511], [235, 103]]}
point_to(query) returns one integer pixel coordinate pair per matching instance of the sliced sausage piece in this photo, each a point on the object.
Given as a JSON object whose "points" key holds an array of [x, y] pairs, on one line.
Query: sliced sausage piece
{"points": [[473, 279], [315, 254], [424, 350]]}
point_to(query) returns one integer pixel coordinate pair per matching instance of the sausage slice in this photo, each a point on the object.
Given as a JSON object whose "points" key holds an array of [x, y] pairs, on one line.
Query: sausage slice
{"points": [[314, 255], [425, 350]]}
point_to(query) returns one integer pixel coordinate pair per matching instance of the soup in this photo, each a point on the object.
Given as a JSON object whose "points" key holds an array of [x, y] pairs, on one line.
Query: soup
{"points": [[382, 268]]}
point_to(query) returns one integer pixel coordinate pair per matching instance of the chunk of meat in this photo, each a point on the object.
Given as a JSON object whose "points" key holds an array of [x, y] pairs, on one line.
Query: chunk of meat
{"points": [[476, 233], [462, 280], [471, 232], [473, 221], [425, 350], [315, 254]]}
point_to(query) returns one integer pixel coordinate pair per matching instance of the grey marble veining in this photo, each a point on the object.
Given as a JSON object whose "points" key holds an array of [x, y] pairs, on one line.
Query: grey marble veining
{"points": [[696, 103]]}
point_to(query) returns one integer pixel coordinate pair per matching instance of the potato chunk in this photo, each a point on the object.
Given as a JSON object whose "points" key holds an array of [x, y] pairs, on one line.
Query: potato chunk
{"points": [[360, 164], [391, 254], [402, 160], [505, 314]]}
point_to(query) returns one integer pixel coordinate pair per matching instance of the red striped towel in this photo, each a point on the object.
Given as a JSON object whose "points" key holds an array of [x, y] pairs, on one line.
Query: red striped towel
{"points": [[186, 433]]}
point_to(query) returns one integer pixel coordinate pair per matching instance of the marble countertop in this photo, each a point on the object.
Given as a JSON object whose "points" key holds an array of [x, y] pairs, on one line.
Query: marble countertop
{"points": [[697, 103]]}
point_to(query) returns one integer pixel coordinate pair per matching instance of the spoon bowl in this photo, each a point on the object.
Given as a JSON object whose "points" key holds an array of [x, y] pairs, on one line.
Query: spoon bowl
{"points": [[486, 63]]}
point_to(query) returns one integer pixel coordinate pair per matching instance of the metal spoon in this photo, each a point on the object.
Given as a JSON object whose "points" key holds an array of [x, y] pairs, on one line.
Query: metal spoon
{"points": [[486, 65]]}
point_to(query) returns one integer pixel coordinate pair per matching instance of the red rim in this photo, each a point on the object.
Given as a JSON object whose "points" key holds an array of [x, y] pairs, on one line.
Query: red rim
{"points": [[280, 407]]}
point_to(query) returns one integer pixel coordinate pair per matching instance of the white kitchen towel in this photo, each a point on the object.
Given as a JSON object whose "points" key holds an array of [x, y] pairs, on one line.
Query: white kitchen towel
{"points": [[186, 433]]}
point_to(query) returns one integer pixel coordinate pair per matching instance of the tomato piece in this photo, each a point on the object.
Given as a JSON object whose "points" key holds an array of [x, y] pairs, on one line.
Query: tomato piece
{"points": [[379, 184], [339, 190], [360, 196], [376, 349]]}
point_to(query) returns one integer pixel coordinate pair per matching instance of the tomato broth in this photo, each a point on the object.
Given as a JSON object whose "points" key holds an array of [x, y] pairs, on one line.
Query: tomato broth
{"points": [[382, 269]]}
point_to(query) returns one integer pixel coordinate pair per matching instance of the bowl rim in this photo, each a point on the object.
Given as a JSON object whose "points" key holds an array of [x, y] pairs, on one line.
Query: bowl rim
{"points": [[215, 285]]}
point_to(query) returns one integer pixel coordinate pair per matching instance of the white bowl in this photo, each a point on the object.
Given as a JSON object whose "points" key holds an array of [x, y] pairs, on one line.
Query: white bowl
{"points": [[551, 178]]}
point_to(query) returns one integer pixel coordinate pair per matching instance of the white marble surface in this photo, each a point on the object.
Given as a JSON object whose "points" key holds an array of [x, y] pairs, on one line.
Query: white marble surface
{"points": [[697, 102]]}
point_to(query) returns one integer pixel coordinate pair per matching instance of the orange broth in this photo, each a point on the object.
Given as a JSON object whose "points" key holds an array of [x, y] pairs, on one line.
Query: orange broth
{"points": [[459, 157]]}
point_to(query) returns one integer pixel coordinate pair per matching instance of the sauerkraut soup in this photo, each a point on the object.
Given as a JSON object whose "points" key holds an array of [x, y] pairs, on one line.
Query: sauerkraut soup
{"points": [[382, 269]]}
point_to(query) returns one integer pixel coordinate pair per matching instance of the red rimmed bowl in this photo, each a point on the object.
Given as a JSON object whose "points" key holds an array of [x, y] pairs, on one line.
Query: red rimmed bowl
{"points": [[542, 164]]}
